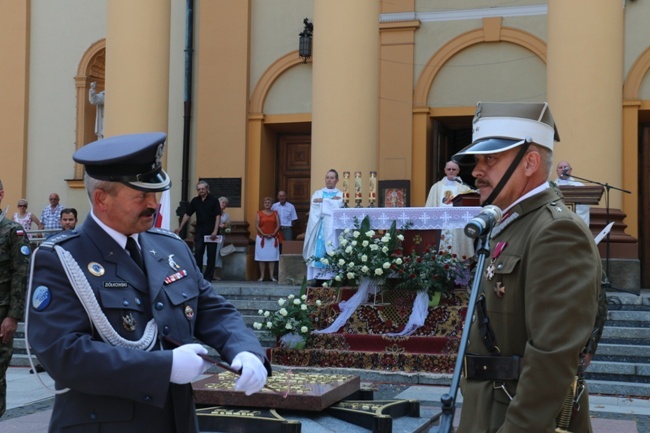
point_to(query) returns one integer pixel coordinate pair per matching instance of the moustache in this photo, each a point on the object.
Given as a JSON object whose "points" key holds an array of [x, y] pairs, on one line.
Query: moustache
{"points": [[479, 183], [148, 213]]}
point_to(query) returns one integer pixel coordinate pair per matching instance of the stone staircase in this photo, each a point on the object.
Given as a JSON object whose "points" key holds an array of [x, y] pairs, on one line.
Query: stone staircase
{"points": [[621, 365]]}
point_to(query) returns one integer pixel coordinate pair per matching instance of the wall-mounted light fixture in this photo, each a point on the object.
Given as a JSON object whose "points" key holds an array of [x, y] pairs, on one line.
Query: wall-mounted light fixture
{"points": [[304, 47]]}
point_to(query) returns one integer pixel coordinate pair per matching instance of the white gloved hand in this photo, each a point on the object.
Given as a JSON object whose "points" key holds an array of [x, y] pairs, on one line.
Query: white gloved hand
{"points": [[253, 373], [187, 364]]}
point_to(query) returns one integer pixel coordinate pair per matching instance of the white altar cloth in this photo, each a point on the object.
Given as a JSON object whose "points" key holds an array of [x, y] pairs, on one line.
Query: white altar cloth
{"points": [[420, 218]]}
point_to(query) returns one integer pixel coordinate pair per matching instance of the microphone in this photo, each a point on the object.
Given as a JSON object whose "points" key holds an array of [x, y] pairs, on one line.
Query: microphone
{"points": [[565, 171], [483, 222]]}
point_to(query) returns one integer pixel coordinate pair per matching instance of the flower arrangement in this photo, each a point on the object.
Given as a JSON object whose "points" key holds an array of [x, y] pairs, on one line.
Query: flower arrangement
{"points": [[226, 227], [363, 253], [437, 271], [291, 323]]}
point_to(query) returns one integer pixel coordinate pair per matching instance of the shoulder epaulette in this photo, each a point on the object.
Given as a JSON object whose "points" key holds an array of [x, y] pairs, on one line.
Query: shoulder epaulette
{"points": [[159, 231], [558, 210], [59, 238]]}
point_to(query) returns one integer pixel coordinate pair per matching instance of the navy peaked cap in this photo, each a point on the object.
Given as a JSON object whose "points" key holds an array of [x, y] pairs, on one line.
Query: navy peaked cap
{"points": [[134, 160]]}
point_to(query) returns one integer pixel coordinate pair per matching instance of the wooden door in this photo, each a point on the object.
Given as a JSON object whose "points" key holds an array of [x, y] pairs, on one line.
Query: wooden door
{"points": [[294, 174]]}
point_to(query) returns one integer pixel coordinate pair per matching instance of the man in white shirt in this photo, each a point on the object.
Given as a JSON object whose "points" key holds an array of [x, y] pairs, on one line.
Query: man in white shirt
{"points": [[564, 170], [287, 213]]}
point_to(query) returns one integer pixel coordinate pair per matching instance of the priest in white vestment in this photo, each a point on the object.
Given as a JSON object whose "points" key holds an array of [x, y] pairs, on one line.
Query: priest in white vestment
{"points": [[319, 237], [441, 194], [564, 170]]}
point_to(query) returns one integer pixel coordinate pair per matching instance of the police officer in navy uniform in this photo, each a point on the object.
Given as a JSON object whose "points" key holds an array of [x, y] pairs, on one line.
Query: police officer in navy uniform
{"points": [[14, 265], [110, 302]]}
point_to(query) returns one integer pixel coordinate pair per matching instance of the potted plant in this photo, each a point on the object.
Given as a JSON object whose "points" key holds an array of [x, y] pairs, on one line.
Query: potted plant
{"points": [[291, 324]]}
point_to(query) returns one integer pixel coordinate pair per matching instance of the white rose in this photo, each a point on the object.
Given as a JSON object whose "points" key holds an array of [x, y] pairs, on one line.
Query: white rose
{"points": [[338, 278], [260, 312], [281, 302], [257, 325], [346, 231], [343, 242], [324, 261], [365, 243], [304, 330], [379, 271], [350, 265], [356, 234], [269, 325], [384, 250], [350, 275], [386, 265], [288, 326], [364, 258], [348, 250], [374, 247], [303, 307], [385, 239], [398, 261], [341, 262], [283, 312], [353, 243], [267, 313], [400, 237], [290, 296], [319, 302], [365, 269], [370, 233], [296, 302]]}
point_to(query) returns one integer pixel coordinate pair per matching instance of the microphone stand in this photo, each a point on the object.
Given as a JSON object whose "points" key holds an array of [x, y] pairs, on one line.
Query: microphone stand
{"points": [[448, 400], [607, 187]]}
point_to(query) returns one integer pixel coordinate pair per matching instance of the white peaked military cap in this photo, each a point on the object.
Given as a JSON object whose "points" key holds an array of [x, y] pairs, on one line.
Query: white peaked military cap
{"points": [[499, 126]]}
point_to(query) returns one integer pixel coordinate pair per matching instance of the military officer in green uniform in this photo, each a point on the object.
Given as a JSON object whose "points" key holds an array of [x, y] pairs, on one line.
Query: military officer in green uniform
{"points": [[539, 291], [14, 265]]}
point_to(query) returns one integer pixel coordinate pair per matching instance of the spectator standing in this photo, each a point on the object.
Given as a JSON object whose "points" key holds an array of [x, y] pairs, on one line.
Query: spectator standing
{"points": [[287, 213], [208, 217], [51, 215], [14, 268], [129, 374], [267, 241], [68, 218], [224, 227], [26, 218]]}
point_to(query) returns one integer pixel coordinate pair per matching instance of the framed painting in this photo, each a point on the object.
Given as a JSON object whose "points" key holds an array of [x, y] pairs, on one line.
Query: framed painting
{"points": [[394, 193]]}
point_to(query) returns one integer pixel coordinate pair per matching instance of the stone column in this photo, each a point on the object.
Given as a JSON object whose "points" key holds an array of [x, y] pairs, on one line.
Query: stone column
{"points": [[345, 89], [137, 66], [585, 76]]}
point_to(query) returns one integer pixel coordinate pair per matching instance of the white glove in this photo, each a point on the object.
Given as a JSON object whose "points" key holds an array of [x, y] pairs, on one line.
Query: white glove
{"points": [[187, 364], [253, 373]]}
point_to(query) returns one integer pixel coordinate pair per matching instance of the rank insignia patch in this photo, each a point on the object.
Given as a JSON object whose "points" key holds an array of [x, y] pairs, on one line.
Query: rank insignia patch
{"points": [[41, 298], [25, 251]]}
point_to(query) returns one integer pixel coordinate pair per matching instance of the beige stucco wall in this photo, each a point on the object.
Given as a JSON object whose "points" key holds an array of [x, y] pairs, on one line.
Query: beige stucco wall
{"points": [[59, 38]]}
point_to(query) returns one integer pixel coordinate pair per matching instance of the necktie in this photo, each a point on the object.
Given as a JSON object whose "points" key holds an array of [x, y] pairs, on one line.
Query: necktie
{"points": [[136, 255]]}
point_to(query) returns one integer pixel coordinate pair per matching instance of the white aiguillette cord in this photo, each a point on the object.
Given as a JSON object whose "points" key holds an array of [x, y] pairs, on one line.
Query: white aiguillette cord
{"points": [[95, 313]]}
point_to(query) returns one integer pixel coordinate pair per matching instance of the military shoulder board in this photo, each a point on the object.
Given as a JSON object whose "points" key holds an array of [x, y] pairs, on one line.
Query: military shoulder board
{"points": [[58, 238]]}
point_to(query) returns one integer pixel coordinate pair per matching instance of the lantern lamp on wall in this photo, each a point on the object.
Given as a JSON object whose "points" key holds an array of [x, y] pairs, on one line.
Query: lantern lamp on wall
{"points": [[304, 47]]}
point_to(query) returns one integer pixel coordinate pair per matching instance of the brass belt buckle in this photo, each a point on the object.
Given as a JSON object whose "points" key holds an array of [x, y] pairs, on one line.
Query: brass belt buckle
{"points": [[502, 387]]}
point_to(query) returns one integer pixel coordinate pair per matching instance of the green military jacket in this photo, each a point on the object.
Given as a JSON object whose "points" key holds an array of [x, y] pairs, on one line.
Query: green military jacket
{"points": [[541, 287], [14, 267]]}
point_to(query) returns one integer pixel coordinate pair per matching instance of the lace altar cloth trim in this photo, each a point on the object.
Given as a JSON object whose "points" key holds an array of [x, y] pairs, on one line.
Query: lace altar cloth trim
{"points": [[420, 218]]}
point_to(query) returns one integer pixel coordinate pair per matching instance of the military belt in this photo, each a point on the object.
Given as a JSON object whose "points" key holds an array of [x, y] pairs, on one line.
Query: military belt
{"points": [[493, 367]]}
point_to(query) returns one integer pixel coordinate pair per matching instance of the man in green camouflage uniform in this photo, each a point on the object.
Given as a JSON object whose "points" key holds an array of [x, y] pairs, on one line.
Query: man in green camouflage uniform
{"points": [[14, 265]]}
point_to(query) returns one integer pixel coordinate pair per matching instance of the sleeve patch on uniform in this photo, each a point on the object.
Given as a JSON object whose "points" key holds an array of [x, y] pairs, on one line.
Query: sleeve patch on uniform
{"points": [[25, 250], [41, 298]]}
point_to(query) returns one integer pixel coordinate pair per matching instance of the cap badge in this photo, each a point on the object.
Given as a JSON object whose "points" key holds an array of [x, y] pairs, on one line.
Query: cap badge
{"points": [[129, 322], [159, 154]]}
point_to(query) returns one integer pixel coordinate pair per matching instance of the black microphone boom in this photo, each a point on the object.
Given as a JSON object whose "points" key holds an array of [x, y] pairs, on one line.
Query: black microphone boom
{"points": [[483, 222]]}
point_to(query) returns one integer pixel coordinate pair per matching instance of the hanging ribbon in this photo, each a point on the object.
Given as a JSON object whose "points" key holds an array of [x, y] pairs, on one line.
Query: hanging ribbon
{"points": [[418, 315], [348, 307]]}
